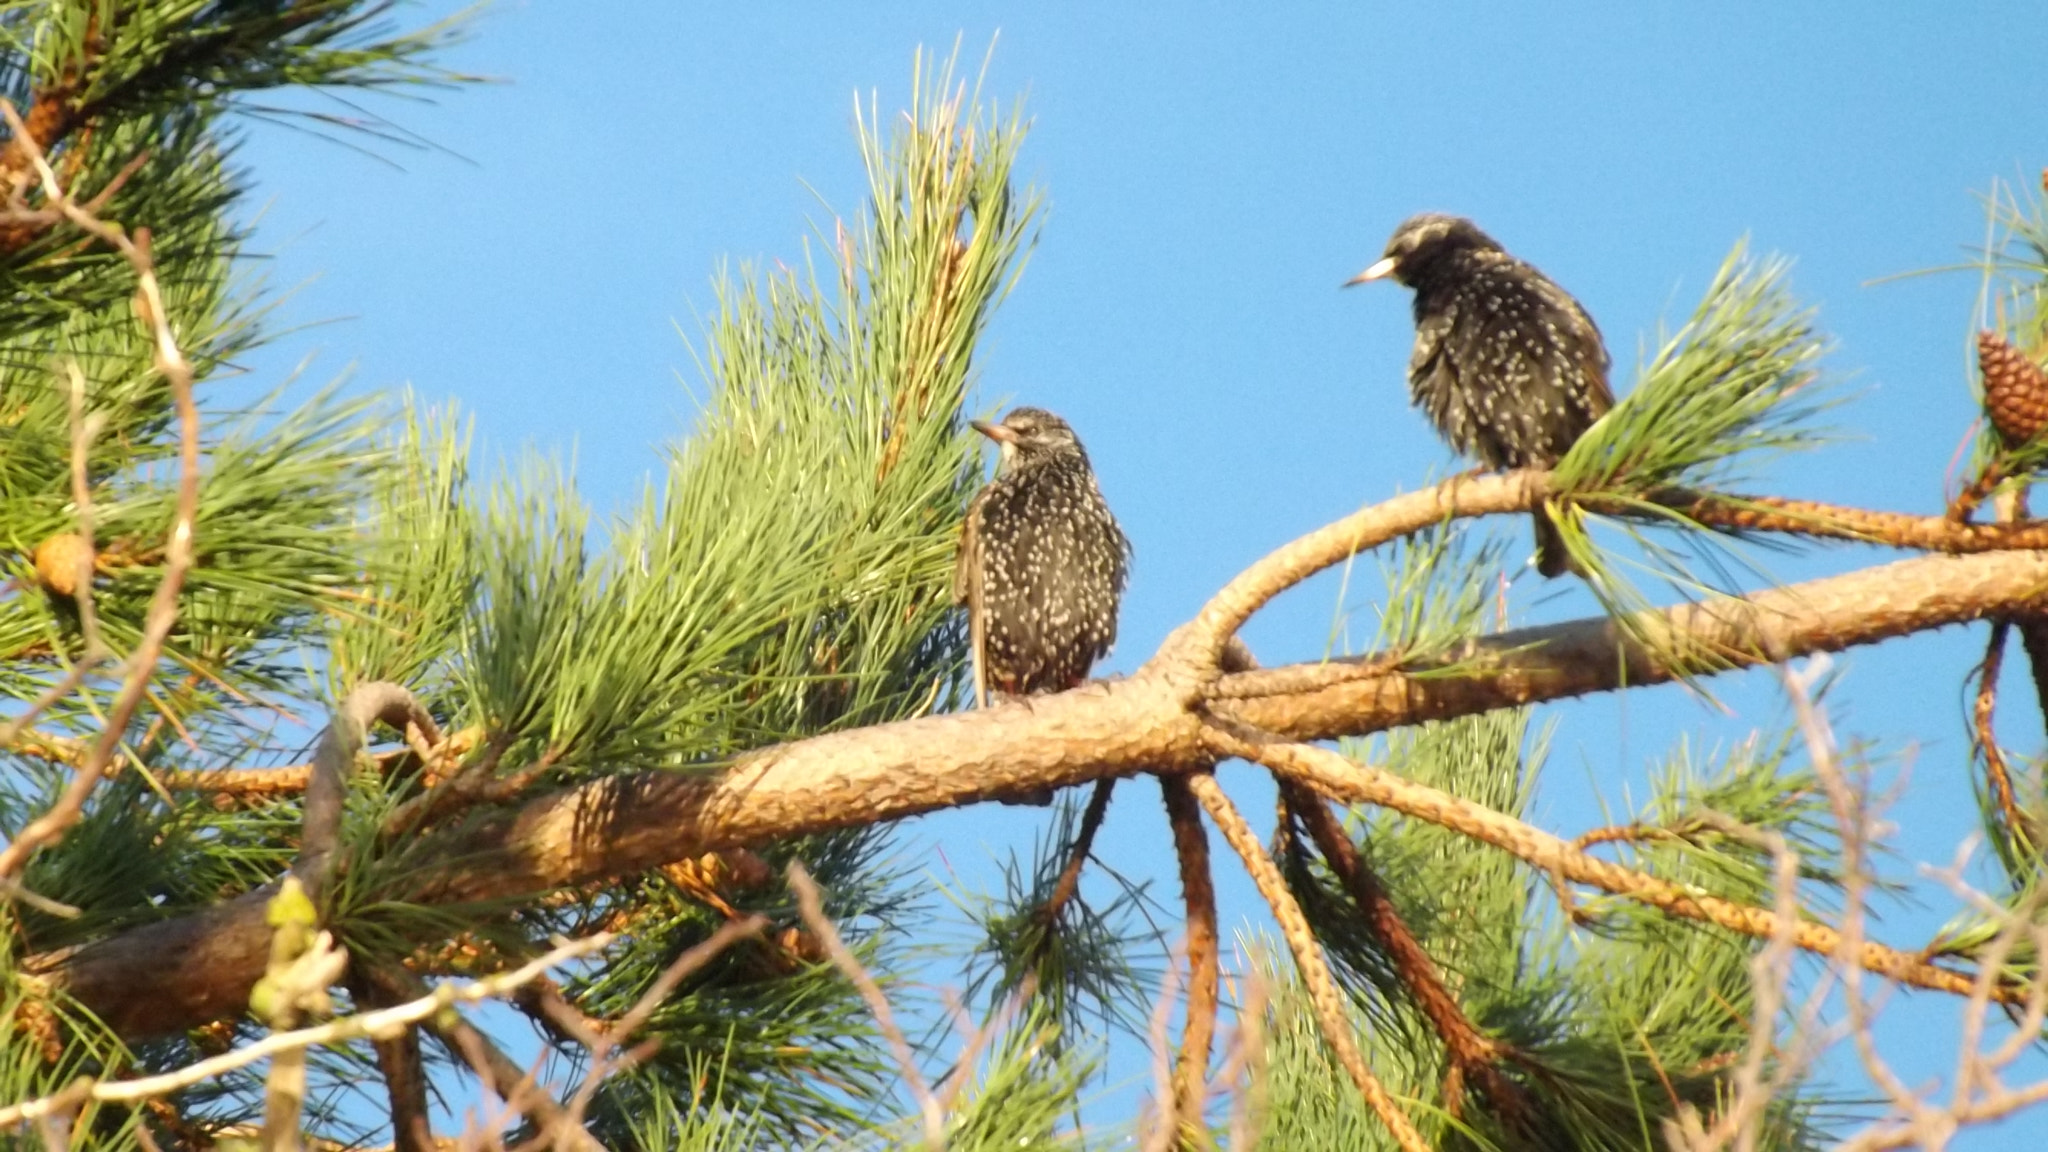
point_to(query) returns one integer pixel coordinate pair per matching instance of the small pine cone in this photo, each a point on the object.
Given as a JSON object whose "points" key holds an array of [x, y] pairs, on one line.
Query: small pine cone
{"points": [[58, 561], [2015, 390]]}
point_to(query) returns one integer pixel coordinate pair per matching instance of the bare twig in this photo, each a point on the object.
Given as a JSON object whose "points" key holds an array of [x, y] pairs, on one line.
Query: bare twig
{"points": [[821, 926], [515, 1086], [1205, 968], [84, 430], [1770, 970], [493, 1068], [1308, 958], [1141, 724], [163, 610], [1165, 1130], [383, 1022], [978, 1039], [1248, 1058], [608, 1053], [1978, 1096], [1069, 881]]}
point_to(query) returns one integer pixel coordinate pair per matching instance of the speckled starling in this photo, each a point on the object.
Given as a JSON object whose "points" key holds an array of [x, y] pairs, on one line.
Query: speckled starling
{"points": [[1042, 562], [1506, 364]]}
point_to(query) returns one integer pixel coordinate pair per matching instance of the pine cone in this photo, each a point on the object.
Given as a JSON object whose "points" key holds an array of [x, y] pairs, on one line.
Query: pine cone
{"points": [[58, 561], [2015, 390]]}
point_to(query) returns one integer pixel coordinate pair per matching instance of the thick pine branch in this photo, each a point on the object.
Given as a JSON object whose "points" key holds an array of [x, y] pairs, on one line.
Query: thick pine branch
{"points": [[170, 975]]}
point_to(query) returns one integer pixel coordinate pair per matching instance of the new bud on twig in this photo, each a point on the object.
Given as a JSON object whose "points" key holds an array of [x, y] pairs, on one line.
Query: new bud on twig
{"points": [[61, 561]]}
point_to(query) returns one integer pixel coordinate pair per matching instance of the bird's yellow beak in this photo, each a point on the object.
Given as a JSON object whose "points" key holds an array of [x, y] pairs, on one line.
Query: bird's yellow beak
{"points": [[995, 432], [1379, 271]]}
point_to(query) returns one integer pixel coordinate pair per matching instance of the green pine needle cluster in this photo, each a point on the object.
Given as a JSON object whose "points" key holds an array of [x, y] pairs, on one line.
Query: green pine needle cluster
{"points": [[1093, 968], [1738, 383], [1733, 385]]}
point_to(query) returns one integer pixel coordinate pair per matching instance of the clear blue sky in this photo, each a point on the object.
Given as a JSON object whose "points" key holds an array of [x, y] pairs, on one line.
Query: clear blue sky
{"points": [[1213, 176]]}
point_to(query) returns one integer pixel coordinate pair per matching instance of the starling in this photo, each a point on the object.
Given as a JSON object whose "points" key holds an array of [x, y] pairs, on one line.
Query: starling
{"points": [[1507, 365], [1042, 562]]}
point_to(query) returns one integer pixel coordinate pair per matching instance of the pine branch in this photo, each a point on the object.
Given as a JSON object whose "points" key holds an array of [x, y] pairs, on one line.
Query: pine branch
{"points": [[1330, 1007], [1553, 662], [1201, 640], [174, 973], [1198, 891], [398, 1058], [1340, 778], [1475, 1055], [382, 1022], [1820, 521]]}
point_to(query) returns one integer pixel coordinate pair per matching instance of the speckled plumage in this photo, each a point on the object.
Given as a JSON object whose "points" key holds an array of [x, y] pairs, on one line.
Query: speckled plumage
{"points": [[1510, 369], [1042, 562]]}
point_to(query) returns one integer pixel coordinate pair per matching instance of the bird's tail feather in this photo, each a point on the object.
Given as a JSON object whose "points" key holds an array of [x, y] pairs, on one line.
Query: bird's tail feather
{"points": [[1552, 558]]}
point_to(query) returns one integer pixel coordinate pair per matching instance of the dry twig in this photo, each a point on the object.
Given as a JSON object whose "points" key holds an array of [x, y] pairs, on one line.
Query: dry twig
{"points": [[163, 609], [1165, 1129], [607, 1046], [821, 926], [1247, 1058], [383, 1022]]}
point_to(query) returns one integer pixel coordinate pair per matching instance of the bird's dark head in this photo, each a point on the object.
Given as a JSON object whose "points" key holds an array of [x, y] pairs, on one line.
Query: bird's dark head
{"points": [[1420, 242], [1030, 434]]}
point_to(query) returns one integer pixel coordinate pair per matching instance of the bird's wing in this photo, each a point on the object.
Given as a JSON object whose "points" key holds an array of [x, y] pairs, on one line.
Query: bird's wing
{"points": [[1427, 357], [967, 591], [1584, 344], [1433, 381]]}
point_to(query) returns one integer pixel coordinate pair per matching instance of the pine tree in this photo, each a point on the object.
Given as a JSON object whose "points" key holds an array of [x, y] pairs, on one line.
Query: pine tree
{"points": [[638, 778]]}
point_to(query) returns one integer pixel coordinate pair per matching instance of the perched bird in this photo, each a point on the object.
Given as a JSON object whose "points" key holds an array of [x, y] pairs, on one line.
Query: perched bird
{"points": [[1042, 562], [1507, 365]]}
